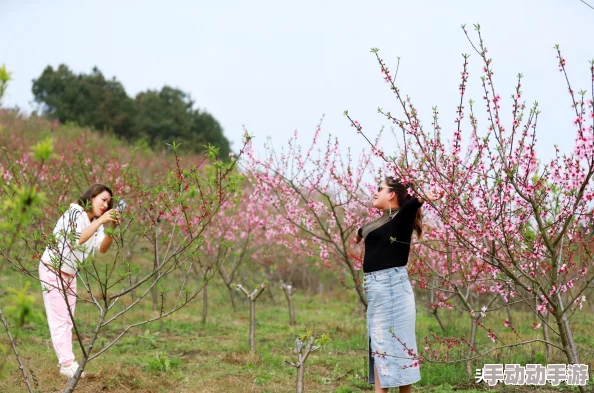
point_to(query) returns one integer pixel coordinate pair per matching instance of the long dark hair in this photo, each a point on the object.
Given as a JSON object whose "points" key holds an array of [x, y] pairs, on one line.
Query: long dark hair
{"points": [[402, 196], [85, 199]]}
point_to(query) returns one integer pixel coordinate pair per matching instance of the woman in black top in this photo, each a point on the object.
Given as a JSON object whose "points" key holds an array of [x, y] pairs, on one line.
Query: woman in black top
{"points": [[391, 314]]}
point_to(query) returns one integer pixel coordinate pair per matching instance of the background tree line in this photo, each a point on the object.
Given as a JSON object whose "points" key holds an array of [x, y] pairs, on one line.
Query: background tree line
{"points": [[154, 116]]}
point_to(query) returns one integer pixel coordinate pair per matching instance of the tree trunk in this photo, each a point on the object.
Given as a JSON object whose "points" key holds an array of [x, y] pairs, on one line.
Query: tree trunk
{"points": [[204, 302], [154, 293], [431, 301], [509, 316], [252, 297], [567, 340], [471, 353], [130, 282], [227, 280], [301, 378], [436, 315], [252, 325], [288, 290], [547, 338], [358, 284], [303, 351], [545, 331], [361, 293], [232, 296]]}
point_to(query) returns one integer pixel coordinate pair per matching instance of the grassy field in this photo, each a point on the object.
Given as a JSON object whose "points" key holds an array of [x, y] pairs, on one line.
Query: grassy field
{"points": [[179, 354]]}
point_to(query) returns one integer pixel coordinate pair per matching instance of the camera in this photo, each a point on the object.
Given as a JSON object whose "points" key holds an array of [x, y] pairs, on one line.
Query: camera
{"points": [[121, 205]]}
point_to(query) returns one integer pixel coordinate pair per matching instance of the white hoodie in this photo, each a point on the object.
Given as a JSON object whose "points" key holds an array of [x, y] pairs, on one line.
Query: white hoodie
{"points": [[68, 256]]}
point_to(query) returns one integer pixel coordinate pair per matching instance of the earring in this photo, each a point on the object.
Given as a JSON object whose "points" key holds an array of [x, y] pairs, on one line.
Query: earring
{"points": [[390, 213]]}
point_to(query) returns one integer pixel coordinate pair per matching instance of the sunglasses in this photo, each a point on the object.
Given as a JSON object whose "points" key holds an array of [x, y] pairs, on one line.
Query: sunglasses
{"points": [[380, 188]]}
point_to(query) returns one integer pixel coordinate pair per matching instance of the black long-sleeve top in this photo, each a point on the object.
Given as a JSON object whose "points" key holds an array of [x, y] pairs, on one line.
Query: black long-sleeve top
{"points": [[389, 245]]}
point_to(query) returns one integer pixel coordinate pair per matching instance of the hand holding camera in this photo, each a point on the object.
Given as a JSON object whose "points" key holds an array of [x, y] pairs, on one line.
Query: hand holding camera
{"points": [[113, 215]]}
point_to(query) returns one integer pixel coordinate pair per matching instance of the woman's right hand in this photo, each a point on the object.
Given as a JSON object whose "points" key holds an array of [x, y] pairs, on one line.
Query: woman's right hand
{"points": [[111, 215]]}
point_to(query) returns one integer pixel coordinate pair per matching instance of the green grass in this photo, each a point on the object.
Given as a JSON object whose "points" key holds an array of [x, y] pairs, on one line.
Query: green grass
{"points": [[179, 354]]}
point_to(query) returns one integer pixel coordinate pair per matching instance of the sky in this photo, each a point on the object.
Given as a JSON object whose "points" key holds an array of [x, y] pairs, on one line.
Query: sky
{"points": [[277, 66]]}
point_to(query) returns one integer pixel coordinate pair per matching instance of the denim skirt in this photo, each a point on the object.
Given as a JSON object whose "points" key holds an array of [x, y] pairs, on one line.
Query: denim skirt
{"points": [[391, 317]]}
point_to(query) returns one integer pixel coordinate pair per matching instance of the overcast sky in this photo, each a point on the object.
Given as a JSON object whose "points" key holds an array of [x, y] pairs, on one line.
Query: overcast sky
{"points": [[277, 66]]}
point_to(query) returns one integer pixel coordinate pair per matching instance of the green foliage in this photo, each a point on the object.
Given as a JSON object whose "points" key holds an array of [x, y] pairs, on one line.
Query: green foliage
{"points": [[162, 116], [43, 150], [162, 363], [21, 305], [88, 100], [168, 115], [323, 340], [445, 388], [148, 339], [19, 206], [153, 116], [205, 124], [346, 389], [5, 77], [304, 337]]}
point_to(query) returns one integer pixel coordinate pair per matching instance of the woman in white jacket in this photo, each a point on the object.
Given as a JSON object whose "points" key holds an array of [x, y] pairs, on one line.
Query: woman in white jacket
{"points": [[78, 233]]}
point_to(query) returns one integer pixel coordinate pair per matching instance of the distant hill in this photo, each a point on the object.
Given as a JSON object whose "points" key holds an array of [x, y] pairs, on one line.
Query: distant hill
{"points": [[155, 116]]}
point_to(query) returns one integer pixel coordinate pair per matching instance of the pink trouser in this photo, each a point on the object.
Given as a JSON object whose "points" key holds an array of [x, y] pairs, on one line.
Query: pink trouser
{"points": [[58, 317]]}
